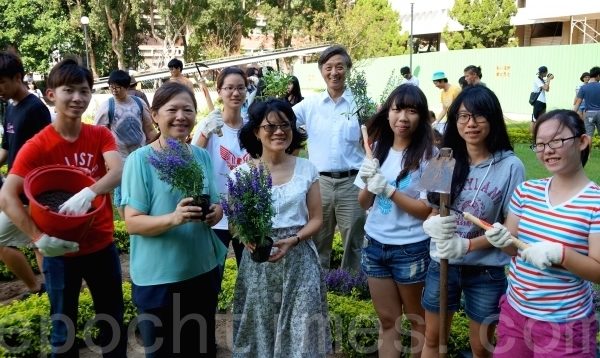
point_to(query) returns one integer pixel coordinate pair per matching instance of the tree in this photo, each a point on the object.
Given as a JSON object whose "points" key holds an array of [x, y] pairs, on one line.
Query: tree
{"points": [[289, 18], [36, 29], [124, 20], [486, 24], [218, 30], [369, 28]]}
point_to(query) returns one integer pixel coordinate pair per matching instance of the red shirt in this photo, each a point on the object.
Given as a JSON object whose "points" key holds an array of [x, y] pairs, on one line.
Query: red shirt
{"points": [[48, 147]]}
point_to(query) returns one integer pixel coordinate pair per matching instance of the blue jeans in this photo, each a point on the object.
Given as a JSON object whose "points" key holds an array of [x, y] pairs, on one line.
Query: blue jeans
{"points": [[482, 286], [405, 264], [102, 272]]}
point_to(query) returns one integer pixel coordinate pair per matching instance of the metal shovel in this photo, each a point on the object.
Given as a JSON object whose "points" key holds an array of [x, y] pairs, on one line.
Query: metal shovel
{"points": [[437, 177]]}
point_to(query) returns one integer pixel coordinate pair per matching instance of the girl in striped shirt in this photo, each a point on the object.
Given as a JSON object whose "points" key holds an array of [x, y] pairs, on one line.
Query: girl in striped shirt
{"points": [[548, 307]]}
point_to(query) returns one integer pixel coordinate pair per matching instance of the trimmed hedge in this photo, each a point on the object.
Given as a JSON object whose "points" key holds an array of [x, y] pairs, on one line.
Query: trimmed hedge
{"points": [[25, 325]]}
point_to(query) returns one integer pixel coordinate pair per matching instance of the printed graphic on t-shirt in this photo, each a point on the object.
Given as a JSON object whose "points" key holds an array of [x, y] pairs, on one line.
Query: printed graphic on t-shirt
{"points": [[385, 204], [231, 159], [83, 160]]}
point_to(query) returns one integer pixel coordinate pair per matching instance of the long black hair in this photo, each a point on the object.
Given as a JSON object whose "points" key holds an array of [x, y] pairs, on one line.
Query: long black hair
{"points": [[480, 101], [295, 93], [260, 110], [566, 118], [421, 146]]}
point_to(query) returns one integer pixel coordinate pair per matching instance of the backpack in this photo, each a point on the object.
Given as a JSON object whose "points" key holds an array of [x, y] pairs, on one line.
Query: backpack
{"points": [[129, 129]]}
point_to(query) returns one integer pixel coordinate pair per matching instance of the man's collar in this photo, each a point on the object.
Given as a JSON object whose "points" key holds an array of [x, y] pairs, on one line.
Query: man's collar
{"points": [[347, 95]]}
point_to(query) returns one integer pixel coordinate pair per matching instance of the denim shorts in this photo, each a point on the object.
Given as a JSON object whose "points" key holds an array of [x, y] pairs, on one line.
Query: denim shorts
{"points": [[405, 264], [482, 287]]}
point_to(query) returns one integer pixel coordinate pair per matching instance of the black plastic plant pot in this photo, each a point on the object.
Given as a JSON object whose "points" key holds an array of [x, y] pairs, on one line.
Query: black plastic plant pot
{"points": [[202, 201], [263, 252]]}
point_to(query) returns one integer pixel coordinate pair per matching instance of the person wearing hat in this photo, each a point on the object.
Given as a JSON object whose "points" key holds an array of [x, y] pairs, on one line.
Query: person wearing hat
{"points": [[590, 93], [133, 91], [585, 78], [408, 77], [448, 94], [542, 86]]}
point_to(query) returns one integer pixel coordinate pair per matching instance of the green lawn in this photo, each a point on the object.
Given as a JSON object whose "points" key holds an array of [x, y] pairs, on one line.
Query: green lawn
{"points": [[534, 169]]}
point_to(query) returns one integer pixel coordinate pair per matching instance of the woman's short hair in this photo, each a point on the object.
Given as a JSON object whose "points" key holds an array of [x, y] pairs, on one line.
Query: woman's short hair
{"points": [[261, 110]]}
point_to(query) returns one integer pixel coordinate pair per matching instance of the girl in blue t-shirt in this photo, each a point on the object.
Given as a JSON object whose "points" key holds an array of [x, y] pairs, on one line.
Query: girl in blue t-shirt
{"points": [[396, 252]]}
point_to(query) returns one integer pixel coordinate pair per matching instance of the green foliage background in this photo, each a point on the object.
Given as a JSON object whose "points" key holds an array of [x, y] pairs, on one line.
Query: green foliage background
{"points": [[486, 24]]}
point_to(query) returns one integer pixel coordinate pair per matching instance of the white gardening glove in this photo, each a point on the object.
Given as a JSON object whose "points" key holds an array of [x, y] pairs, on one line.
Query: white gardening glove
{"points": [[378, 185], [368, 168], [52, 246], [212, 124], [454, 248], [440, 228], [79, 203], [498, 235], [543, 254]]}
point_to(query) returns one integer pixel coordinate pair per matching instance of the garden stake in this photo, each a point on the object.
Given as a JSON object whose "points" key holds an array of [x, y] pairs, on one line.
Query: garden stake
{"points": [[437, 177]]}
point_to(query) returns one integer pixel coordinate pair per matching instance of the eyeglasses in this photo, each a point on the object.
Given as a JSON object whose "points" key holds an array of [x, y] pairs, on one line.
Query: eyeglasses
{"points": [[232, 89], [115, 88], [553, 144], [272, 128], [464, 118]]}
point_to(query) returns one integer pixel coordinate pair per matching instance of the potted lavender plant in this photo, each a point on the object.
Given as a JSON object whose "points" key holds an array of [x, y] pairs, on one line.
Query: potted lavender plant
{"points": [[249, 208], [176, 166]]}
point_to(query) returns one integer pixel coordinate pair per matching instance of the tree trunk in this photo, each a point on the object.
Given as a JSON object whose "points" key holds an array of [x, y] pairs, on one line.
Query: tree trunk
{"points": [[117, 32], [92, 63]]}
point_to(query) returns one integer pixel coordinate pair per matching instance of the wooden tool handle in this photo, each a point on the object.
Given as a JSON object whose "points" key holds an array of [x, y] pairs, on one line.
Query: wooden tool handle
{"points": [[485, 225], [365, 137]]}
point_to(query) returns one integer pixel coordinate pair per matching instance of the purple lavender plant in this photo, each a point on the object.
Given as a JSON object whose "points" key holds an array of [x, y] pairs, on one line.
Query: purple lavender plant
{"points": [[176, 166], [249, 205], [344, 282]]}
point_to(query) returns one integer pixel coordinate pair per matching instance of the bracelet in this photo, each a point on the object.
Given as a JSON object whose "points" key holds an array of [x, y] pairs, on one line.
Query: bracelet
{"points": [[297, 239]]}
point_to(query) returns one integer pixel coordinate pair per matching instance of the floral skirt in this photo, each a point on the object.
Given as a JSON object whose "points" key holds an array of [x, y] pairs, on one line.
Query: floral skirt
{"points": [[280, 309]]}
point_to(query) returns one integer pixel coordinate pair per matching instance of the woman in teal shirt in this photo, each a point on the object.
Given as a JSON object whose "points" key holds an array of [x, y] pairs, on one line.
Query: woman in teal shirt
{"points": [[174, 255]]}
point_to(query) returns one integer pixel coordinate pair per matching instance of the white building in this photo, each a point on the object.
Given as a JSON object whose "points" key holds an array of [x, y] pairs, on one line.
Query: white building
{"points": [[538, 22]]}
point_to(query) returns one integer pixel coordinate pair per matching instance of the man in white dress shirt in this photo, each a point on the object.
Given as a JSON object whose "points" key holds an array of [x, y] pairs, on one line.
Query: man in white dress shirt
{"points": [[334, 148]]}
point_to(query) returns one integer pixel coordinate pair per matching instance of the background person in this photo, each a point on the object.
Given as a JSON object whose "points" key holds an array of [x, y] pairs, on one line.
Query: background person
{"points": [[396, 257], [548, 309], [590, 93], [408, 77], [334, 148], [473, 75], [294, 94], [280, 307], [128, 118], [133, 91], [447, 95], [486, 173], [94, 258], [175, 67], [174, 257], [26, 115], [218, 134], [542, 86]]}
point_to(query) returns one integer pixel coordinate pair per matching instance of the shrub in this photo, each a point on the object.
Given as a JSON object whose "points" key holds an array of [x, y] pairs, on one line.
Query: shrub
{"points": [[337, 250], [25, 325], [345, 283], [227, 285], [121, 236]]}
